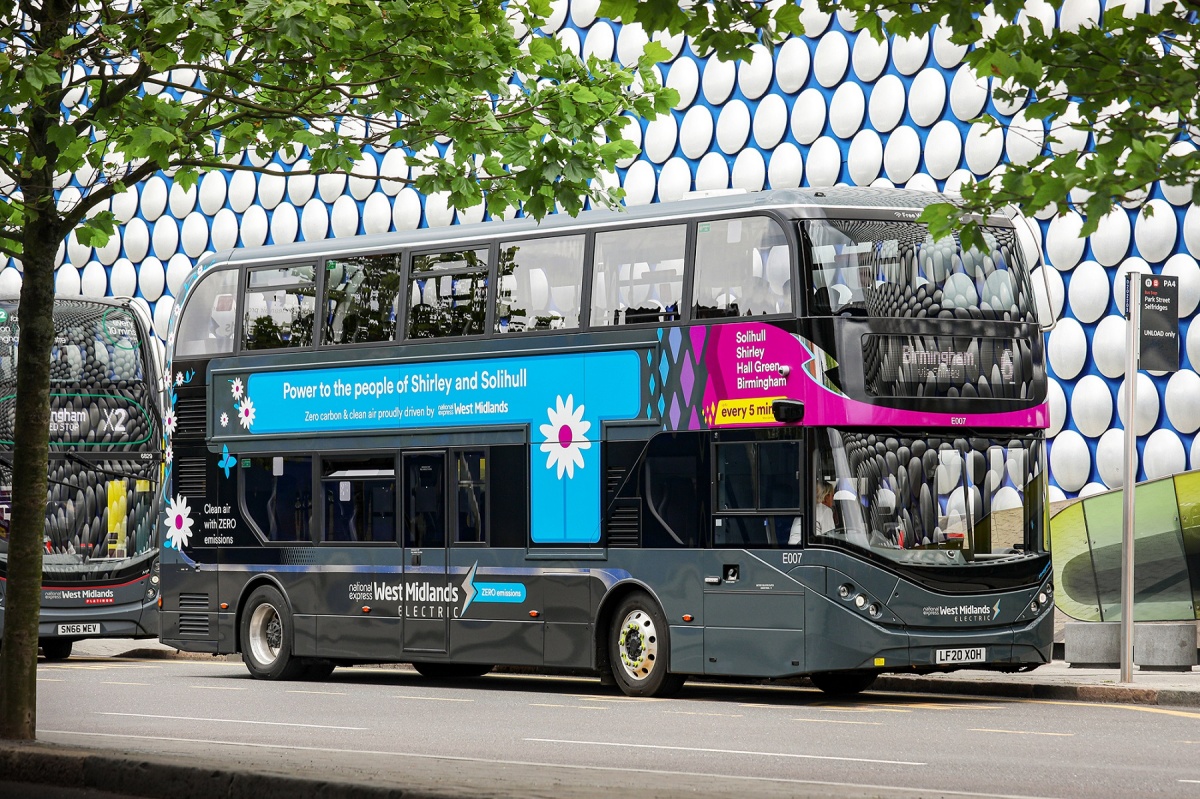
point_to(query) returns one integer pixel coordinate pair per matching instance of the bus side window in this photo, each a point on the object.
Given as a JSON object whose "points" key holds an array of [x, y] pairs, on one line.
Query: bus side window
{"points": [[280, 307], [361, 298], [447, 294], [277, 496], [359, 499], [206, 324], [638, 276], [743, 268], [540, 284]]}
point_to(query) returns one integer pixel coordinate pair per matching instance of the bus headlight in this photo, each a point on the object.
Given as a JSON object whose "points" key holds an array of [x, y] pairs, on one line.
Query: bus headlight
{"points": [[860, 601], [874, 610], [844, 590], [1034, 606], [1041, 598]]}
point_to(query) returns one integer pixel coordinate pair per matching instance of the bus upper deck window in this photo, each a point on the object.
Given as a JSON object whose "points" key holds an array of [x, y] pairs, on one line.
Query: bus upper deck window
{"points": [[206, 326], [280, 306], [743, 268], [540, 284], [447, 294], [361, 299], [638, 276]]}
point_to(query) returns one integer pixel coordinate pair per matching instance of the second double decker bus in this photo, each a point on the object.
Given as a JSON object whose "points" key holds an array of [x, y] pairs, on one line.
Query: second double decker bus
{"points": [[759, 435], [103, 501]]}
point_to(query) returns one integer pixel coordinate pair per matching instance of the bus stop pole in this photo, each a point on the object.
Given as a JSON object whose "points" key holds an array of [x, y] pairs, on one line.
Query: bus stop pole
{"points": [[1133, 304]]}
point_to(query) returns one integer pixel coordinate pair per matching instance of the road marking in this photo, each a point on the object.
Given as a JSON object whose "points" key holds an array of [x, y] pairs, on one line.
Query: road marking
{"points": [[1114, 706], [50, 679], [323, 693], [573, 707], [124, 683], [697, 713], [230, 721], [619, 698], [885, 790], [221, 687], [1026, 732], [859, 709], [1191, 782], [841, 721], [724, 751], [434, 698]]}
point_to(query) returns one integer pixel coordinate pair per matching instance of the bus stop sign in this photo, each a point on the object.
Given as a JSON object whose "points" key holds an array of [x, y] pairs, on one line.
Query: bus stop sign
{"points": [[1160, 323]]}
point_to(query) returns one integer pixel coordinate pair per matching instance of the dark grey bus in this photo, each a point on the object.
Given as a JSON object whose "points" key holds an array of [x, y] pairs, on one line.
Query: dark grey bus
{"points": [[763, 436], [103, 501]]}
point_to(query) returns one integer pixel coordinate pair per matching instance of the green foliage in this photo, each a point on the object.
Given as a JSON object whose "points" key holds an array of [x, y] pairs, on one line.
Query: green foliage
{"points": [[335, 77], [1127, 85]]}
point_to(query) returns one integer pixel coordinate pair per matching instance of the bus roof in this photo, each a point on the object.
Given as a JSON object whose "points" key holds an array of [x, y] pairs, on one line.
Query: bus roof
{"points": [[809, 202]]}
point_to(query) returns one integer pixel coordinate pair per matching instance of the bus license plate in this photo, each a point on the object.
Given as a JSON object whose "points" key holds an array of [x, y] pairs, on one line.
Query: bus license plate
{"points": [[79, 629], [974, 654]]}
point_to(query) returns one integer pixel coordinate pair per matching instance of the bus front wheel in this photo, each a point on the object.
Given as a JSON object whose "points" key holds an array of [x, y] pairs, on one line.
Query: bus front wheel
{"points": [[638, 649], [56, 648], [267, 637], [843, 683]]}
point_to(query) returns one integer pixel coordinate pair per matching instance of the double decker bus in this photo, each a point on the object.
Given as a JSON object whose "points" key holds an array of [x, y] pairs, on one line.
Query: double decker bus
{"points": [[763, 436], [100, 561]]}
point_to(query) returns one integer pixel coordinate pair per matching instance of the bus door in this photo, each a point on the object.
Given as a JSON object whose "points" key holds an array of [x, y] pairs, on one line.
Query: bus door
{"points": [[428, 596]]}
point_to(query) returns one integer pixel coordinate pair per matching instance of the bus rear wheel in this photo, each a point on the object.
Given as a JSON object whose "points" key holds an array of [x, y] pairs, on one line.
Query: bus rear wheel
{"points": [[638, 649], [56, 648], [267, 637], [451, 671], [843, 683]]}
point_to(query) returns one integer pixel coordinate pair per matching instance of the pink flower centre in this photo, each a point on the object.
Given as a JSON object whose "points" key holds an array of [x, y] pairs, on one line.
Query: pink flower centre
{"points": [[179, 521], [564, 435]]}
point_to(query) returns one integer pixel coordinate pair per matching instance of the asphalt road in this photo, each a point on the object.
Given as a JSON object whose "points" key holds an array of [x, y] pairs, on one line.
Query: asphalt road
{"points": [[510, 735]]}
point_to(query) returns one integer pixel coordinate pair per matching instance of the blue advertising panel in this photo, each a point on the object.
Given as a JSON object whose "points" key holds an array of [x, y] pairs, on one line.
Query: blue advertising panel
{"points": [[561, 398]]}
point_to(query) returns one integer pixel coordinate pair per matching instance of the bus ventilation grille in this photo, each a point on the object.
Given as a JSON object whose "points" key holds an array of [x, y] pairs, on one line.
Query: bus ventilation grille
{"points": [[625, 523], [189, 476], [193, 601], [190, 420], [193, 625]]}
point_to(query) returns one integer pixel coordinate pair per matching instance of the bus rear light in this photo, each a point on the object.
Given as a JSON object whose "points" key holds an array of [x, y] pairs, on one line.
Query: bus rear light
{"points": [[688, 617]]}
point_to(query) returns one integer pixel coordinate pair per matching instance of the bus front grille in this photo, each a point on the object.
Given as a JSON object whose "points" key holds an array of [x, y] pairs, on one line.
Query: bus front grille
{"points": [[193, 625], [193, 601], [625, 523]]}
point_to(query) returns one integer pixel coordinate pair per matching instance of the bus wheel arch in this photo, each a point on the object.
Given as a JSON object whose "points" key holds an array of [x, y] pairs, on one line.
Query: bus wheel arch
{"points": [[266, 634], [634, 642]]}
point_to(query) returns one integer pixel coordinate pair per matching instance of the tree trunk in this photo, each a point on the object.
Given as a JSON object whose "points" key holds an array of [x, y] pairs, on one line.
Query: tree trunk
{"points": [[18, 656]]}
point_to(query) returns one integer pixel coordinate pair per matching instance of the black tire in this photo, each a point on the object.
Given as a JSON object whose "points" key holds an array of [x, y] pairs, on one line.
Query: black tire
{"points": [[638, 649], [266, 637], [843, 683], [451, 671], [56, 648]]}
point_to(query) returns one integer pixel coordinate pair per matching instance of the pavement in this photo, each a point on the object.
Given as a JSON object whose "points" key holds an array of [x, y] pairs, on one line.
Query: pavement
{"points": [[48, 770]]}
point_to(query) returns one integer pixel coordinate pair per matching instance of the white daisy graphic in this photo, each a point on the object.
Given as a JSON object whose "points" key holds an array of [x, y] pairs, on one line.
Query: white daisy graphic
{"points": [[237, 388], [246, 412], [566, 436], [179, 522], [169, 454], [169, 421], [224, 420], [179, 378]]}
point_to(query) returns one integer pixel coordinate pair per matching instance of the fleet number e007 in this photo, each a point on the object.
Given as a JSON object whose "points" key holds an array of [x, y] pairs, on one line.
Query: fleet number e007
{"points": [[958, 420]]}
